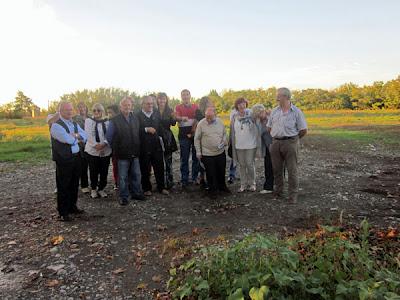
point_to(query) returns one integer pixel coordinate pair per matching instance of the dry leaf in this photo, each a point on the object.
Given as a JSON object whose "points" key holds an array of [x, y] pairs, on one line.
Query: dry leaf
{"points": [[141, 286], [163, 296], [12, 243], [56, 240], [156, 278], [195, 231], [118, 271], [52, 283]]}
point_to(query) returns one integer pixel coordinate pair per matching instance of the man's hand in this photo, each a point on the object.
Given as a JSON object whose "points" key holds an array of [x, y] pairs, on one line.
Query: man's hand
{"points": [[199, 156], [189, 135], [302, 133], [150, 130], [75, 135]]}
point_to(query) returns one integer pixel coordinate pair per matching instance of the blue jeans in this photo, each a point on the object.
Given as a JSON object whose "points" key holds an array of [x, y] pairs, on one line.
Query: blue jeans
{"points": [[129, 177], [186, 145]]}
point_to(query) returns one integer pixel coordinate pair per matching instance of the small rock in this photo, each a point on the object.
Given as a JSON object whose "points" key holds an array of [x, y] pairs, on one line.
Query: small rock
{"points": [[56, 268], [54, 250]]}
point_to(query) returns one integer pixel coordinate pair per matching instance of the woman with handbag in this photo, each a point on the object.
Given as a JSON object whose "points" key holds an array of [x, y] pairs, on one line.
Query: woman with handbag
{"points": [[170, 146]]}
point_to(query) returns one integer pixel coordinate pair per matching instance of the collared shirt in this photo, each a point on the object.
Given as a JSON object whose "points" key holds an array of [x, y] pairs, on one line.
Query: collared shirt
{"points": [[60, 134], [286, 124], [147, 114]]}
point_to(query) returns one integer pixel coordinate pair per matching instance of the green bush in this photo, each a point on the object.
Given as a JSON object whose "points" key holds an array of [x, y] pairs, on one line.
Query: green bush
{"points": [[326, 265]]}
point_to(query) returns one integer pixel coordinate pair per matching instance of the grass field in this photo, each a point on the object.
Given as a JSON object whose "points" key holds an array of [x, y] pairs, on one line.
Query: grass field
{"points": [[28, 139]]}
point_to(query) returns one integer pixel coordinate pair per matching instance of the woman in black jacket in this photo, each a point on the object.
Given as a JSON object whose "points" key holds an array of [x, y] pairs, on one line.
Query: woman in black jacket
{"points": [[170, 146]]}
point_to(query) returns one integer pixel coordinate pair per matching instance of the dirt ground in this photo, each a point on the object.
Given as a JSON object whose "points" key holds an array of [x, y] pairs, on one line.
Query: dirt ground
{"points": [[115, 252]]}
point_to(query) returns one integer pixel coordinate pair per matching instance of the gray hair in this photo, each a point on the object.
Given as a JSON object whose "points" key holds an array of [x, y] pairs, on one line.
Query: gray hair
{"points": [[126, 98], [285, 91], [146, 98], [257, 109]]}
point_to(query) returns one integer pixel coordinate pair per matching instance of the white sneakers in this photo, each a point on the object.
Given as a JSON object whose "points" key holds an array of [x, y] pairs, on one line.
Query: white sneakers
{"points": [[96, 194], [252, 188], [102, 194], [266, 192], [85, 190]]}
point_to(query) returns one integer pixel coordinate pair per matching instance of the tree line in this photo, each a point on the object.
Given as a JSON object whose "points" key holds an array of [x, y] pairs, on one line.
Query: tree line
{"points": [[379, 95]]}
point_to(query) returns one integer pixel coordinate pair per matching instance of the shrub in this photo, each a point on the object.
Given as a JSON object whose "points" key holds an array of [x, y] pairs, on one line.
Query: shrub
{"points": [[326, 265]]}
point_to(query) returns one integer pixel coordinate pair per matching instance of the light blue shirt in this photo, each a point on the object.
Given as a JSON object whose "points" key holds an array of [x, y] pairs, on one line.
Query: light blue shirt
{"points": [[286, 124], [61, 135]]}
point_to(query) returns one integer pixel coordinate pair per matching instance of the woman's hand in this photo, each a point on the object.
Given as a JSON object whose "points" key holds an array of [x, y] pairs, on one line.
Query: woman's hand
{"points": [[100, 147]]}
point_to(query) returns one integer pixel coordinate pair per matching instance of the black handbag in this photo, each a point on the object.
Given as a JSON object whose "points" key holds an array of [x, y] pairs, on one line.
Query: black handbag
{"points": [[169, 141]]}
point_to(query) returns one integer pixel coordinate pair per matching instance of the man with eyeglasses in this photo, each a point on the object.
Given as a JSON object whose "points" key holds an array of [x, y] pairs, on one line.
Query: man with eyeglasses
{"points": [[65, 137]]}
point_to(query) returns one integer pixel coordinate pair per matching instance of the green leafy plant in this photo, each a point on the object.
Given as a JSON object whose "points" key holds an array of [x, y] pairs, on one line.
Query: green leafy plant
{"points": [[327, 264]]}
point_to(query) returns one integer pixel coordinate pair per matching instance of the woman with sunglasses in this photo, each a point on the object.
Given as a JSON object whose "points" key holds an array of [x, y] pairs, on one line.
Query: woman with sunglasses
{"points": [[97, 150]]}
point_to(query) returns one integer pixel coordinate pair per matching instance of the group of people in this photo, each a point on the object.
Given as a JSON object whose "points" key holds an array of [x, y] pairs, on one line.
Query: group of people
{"points": [[139, 142]]}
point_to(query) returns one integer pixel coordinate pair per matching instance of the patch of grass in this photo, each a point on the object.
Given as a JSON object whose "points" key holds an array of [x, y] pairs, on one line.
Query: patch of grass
{"points": [[35, 150], [376, 135]]}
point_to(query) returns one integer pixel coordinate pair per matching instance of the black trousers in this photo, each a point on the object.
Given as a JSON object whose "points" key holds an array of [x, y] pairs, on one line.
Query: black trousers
{"points": [[153, 159], [98, 167], [215, 171], [268, 172], [169, 177], [67, 179], [84, 171]]}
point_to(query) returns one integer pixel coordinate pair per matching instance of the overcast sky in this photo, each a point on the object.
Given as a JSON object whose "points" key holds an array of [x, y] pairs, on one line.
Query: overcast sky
{"points": [[49, 48]]}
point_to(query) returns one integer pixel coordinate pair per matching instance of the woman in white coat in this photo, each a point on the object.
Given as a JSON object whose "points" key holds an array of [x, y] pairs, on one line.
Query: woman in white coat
{"points": [[97, 151]]}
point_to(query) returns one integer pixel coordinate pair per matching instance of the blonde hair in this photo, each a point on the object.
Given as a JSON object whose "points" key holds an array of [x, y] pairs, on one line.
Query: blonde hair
{"points": [[100, 107]]}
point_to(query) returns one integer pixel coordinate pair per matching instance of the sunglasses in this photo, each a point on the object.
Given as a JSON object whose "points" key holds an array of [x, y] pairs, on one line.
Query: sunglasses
{"points": [[97, 110]]}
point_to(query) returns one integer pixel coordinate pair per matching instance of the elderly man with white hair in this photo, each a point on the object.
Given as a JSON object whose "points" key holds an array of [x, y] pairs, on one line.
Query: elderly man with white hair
{"points": [[210, 141], [152, 146], [65, 136], [287, 125]]}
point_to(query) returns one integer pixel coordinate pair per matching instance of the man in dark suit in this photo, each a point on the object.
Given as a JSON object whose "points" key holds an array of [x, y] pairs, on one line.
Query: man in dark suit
{"points": [[151, 147]]}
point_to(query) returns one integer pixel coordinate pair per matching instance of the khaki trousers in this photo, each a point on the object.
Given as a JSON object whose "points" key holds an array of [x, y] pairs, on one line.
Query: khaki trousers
{"points": [[247, 170], [285, 152]]}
